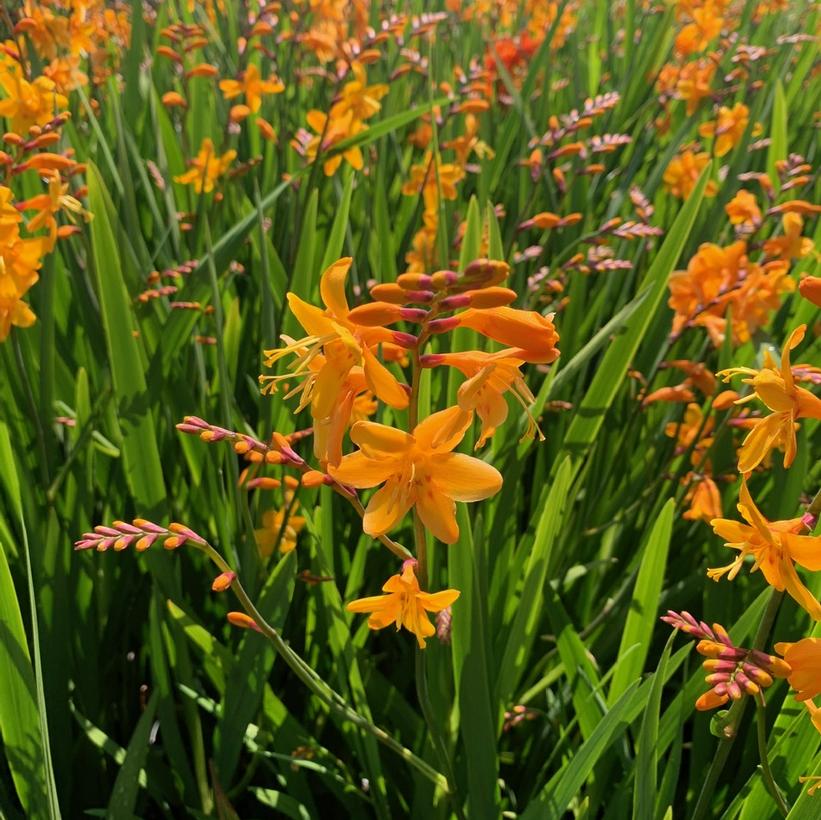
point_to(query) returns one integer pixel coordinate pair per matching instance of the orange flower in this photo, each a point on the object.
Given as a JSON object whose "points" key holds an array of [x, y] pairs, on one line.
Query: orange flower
{"points": [[810, 288], [405, 604], [791, 245], [693, 83], [417, 469], [281, 527], [717, 278], [728, 129], [206, 168], [704, 499], [532, 336], [743, 210], [330, 132], [489, 377], [776, 388], [27, 103], [331, 381], [358, 98], [775, 546], [804, 659], [426, 179], [681, 174], [252, 86], [696, 36]]}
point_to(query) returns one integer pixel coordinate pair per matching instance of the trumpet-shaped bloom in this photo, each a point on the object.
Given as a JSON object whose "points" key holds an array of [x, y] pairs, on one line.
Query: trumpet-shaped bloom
{"points": [[532, 336], [330, 131], [489, 377], [252, 86], [743, 210], [359, 98], [405, 604], [787, 402], [336, 359], [416, 469], [775, 546], [206, 168]]}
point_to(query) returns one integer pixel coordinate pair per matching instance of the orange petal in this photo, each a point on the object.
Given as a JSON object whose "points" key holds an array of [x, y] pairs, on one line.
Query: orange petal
{"points": [[464, 478], [386, 508], [332, 287], [438, 513], [359, 470]]}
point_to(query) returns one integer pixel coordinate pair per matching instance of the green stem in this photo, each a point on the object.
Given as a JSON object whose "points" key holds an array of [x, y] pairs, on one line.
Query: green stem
{"points": [[769, 780], [736, 713], [315, 684]]}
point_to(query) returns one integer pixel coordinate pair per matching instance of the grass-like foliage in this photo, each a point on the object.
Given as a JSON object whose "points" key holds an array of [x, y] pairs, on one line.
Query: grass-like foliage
{"points": [[382, 381]]}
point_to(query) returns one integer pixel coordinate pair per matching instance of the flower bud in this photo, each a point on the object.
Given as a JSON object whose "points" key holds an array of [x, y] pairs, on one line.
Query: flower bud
{"points": [[389, 292], [243, 621], [443, 325], [443, 279], [223, 581], [414, 281], [491, 297]]}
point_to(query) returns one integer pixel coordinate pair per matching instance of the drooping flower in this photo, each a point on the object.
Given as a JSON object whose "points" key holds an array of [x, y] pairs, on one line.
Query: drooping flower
{"points": [[804, 659], [704, 498], [489, 377], [531, 336], [206, 168], [416, 469], [405, 604], [252, 86], [775, 546], [728, 128], [329, 356], [788, 403]]}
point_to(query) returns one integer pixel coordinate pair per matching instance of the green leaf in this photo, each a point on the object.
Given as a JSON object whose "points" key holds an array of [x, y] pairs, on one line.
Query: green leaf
{"points": [[143, 471], [777, 149], [643, 611]]}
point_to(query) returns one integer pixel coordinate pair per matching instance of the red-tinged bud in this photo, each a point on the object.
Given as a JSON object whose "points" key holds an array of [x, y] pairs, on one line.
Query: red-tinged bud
{"points": [[389, 292], [263, 483], [284, 447], [422, 296], [291, 482], [444, 279], [491, 297], [486, 272], [458, 300], [406, 340], [241, 447], [174, 542], [431, 359], [414, 281], [223, 581], [243, 621], [188, 534], [271, 457], [413, 314], [443, 325], [375, 314], [725, 400]]}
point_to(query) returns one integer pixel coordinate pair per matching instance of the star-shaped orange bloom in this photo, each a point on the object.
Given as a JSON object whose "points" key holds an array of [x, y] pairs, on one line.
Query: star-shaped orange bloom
{"points": [[405, 604], [777, 389], [416, 469], [252, 86], [776, 547]]}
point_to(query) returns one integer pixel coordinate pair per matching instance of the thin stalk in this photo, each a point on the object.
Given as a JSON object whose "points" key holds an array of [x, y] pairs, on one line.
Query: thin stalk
{"points": [[766, 771], [317, 685]]}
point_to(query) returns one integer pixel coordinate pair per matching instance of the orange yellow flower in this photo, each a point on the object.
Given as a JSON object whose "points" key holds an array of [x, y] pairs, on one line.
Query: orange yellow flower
{"points": [[775, 546], [682, 173], [329, 358], [357, 97], [27, 103], [743, 210], [531, 336], [489, 377], [252, 86], [804, 659], [416, 469], [791, 245], [405, 604], [704, 499], [280, 526], [206, 168], [810, 289], [329, 132], [693, 83], [777, 389], [728, 128]]}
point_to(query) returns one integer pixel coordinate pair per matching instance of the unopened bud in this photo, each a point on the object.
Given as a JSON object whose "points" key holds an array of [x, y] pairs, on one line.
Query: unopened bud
{"points": [[444, 279], [414, 281], [491, 297], [443, 325]]}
